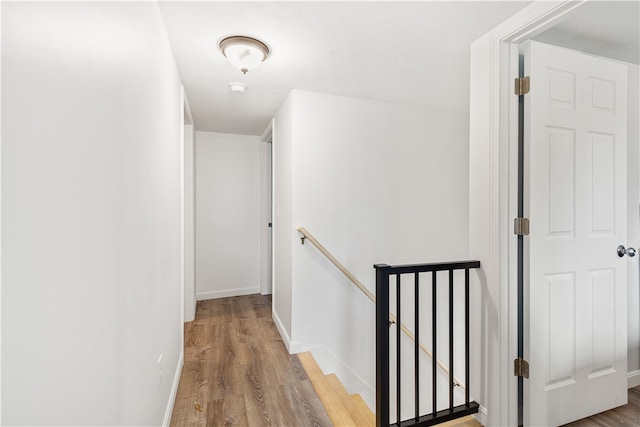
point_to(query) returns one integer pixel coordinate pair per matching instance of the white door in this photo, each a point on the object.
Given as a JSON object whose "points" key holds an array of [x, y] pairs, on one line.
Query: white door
{"points": [[575, 132]]}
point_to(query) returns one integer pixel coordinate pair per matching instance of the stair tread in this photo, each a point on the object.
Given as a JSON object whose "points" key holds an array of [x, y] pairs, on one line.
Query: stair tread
{"points": [[351, 410], [364, 409], [332, 403], [348, 402]]}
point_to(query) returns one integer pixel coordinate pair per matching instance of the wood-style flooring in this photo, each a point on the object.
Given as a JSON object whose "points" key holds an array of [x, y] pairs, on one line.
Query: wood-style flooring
{"points": [[627, 415], [237, 371]]}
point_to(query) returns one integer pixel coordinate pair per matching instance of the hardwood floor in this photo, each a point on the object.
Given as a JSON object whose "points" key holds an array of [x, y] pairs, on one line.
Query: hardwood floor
{"points": [[237, 371], [627, 415]]}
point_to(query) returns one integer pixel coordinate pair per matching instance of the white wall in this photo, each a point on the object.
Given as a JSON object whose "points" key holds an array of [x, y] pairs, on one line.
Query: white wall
{"points": [[90, 214], [227, 215], [486, 330], [374, 183]]}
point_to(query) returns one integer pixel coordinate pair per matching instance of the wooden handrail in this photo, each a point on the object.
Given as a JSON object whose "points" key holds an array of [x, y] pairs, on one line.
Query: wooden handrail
{"points": [[338, 264], [368, 294]]}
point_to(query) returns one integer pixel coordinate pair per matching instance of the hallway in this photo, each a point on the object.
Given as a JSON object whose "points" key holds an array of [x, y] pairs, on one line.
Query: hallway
{"points": [[237, 371]]}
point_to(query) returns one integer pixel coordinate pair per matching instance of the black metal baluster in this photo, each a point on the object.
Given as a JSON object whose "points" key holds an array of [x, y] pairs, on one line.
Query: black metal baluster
{"points": [[434, 344], [466, 336], [450, 340], [398, 336], [416, 310]]}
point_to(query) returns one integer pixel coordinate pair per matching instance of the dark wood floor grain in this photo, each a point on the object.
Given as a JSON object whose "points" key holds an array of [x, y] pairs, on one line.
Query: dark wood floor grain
{"points": [[237, 371], [627, 415]]}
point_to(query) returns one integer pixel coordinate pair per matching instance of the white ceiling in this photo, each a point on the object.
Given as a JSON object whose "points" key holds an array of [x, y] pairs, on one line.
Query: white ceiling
{"points": [[605, 28], [401, 52]]}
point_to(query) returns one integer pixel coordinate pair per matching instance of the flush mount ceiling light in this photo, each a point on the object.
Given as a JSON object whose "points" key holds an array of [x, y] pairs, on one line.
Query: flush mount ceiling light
{"points": [[246, 53]]}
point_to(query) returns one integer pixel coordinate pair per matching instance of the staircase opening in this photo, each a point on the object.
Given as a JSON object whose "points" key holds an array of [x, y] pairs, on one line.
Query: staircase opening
{"points": [[388, 279]]}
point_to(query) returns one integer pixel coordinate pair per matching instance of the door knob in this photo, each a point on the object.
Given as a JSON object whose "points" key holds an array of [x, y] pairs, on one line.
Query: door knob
{"points": [[622, 251]]}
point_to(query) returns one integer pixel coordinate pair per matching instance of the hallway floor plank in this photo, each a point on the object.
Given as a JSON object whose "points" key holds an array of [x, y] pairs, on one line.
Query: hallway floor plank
{"points": [[627, 415], [237, 371]]}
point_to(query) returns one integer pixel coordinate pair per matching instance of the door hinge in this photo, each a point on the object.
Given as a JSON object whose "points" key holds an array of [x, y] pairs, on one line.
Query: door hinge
{"points": [[522, 86], [521, 368], [521, 226]]}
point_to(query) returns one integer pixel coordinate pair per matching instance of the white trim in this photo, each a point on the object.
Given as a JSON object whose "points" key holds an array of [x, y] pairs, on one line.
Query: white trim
{"points": [[188, 120], [293, 347], [266, 216], [329, 363], [296, 347], [529, 22], [633, 378], [282, 330], [182, 222], [267, 133], [273, 203], [189, 221], [174, 391], [227, 293], [482, 416], [188, 313], [1, 224]]}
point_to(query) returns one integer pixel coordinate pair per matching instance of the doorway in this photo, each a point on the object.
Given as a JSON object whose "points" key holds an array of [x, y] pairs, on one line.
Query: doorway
{"points": [[493, 195], [266, 206], [575, 169]]}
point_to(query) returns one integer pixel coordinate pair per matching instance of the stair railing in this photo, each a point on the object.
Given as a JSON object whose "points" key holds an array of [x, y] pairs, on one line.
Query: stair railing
{"points": [[392, 319], [383, 370]]}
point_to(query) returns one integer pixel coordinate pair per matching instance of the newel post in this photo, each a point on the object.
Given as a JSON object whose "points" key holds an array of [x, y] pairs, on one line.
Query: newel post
{"points": [[382, 345]]}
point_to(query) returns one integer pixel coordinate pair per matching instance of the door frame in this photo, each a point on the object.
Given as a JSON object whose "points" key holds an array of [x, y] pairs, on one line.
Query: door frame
{"points": [[187, 213], [493, 113], [266, 209]]}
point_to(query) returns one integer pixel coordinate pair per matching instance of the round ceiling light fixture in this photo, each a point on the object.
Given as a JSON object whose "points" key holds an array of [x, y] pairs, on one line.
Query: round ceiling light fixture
{"points": [[244, 52]]}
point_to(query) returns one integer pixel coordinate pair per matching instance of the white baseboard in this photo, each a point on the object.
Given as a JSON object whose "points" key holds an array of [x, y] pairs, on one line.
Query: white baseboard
{"points": [[293, 347], [297, 347], [633, 379], [482, 416], [329, 363], [282, 330], [174, 391], [227, 293]]}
